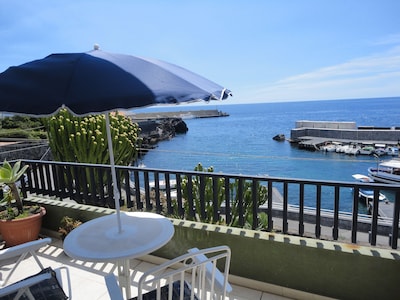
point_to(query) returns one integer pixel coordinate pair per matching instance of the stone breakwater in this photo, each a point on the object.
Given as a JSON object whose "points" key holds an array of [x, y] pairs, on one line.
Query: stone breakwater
{"points": [[187, 114]]}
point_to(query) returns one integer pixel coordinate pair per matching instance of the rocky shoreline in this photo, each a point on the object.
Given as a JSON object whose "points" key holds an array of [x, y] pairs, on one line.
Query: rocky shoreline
{"points": [[156, 130]]}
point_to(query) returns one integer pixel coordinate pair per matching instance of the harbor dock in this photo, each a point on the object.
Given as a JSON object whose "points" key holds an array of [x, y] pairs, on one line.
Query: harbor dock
{"points": [[314, 134]]}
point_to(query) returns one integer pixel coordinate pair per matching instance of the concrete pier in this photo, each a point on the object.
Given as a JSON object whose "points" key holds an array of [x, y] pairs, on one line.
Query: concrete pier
{"points": [[311, 134]]}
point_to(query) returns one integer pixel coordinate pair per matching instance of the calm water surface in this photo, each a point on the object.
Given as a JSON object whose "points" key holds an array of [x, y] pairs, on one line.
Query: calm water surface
{"points": [[242, 143]]}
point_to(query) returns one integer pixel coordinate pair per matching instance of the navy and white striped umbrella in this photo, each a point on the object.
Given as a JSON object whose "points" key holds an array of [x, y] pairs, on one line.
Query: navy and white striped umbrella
{"points": [[100, 82]]}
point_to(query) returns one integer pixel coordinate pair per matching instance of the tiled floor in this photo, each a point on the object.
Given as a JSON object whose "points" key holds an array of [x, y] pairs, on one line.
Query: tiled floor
{"points": [[87, 279]]}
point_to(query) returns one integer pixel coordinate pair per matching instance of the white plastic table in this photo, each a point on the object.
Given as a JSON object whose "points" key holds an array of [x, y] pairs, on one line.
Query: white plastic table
{"points": [[99, 240]]}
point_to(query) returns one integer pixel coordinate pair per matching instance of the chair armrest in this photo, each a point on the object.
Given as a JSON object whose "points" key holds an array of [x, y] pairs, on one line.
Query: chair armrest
{"points": [[23, 248]]}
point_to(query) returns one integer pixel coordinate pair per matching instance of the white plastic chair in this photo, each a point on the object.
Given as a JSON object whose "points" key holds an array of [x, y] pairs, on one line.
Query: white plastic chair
{"points": [[190, 276], [21, 251]]}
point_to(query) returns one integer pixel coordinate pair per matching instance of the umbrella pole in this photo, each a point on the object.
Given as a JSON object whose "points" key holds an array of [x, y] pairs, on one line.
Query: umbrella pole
{"points": [[113, 173]]}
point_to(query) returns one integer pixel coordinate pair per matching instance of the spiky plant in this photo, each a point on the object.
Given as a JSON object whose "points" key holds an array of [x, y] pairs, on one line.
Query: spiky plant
{"points": [[9, 175]]}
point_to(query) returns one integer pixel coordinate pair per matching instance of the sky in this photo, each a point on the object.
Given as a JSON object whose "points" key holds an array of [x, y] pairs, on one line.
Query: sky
{"points": [[262, 50]]}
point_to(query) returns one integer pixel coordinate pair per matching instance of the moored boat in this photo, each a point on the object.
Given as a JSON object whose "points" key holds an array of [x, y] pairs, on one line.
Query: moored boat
{"points": [[353, 150], [367, 150], [386, 172], [367, 195], [394, 151]]}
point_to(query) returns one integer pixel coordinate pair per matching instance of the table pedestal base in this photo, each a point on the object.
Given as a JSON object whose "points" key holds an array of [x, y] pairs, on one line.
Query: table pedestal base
{"points": [[124, 278]]}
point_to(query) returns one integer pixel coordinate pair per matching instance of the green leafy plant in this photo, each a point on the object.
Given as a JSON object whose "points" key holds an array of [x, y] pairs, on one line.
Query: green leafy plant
{"points": [[204, 189], [9, 175], [67, 224]]}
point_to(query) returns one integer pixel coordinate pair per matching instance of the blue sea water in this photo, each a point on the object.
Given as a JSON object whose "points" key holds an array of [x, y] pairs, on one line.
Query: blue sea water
{"points": [[242, 142]]}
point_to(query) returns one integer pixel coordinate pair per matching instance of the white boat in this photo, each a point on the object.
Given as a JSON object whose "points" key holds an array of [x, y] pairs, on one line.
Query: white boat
{"points": [[367, 195], [329, 148], [393, 151], [367, 150], [380, 149], [386, 172], [342, 148], [353, 150]]}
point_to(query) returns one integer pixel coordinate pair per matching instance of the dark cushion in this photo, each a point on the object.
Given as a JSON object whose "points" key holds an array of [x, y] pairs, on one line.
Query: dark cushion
{"points": [[176, 286], [48, 289]]}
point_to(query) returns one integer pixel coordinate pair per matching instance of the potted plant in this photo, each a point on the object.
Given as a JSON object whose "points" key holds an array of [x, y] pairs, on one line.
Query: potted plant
{"points": [[18, 223], [67, 224]]}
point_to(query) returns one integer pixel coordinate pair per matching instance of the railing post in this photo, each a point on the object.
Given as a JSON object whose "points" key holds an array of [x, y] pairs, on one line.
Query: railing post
{"points": [[181, 211], [318, 212], [395, 225], [189, 193], [202, 192], [168, 191], [375, 213], [127, 185], [149, 206], [354, 223], [301, 210], [228, 208], [49, 185], [285, 224], [270, 193], [335, 230], [139, 204], [240, 202], [216, 210], [254, 196]]}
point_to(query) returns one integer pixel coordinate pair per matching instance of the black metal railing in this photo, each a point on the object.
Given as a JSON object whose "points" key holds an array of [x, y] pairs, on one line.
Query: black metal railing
{"points": [[313, 203]]}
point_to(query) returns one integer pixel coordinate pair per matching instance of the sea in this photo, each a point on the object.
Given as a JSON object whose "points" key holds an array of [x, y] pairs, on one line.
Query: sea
{"points": [[242, 143]]}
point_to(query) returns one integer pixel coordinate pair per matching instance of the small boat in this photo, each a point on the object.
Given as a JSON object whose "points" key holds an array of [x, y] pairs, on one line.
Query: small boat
{"points": [[380, 149], [342, 148], [393, 151], [386, 172], [353, 150], [329, 147], [367, 150], [367, 195]]}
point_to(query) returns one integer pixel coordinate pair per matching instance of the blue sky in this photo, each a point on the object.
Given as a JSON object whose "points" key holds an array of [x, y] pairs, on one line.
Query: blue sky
{"points": [[264, 51]]}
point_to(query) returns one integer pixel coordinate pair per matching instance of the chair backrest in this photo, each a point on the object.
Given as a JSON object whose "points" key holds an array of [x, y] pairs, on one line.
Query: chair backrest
{"points": [[190, 276], [221, 282], [20, 252]]}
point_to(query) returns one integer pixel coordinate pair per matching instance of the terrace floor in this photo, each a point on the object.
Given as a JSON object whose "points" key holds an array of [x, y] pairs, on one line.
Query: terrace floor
{"points": [[87, 279]]}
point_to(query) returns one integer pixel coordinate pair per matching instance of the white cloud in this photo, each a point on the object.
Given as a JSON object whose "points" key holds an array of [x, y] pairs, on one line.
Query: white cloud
{"points": [[377, 75]]}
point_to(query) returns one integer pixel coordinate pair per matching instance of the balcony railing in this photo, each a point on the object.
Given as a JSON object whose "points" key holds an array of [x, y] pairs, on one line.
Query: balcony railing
{"points": [[161, 191]]}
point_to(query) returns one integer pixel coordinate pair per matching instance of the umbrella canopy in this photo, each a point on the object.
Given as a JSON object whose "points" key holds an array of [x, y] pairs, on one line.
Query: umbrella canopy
{"points": [[98, 82]]}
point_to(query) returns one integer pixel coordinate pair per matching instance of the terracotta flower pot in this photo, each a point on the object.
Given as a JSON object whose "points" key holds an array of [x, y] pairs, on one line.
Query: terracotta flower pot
{"points": [[19, 231]]}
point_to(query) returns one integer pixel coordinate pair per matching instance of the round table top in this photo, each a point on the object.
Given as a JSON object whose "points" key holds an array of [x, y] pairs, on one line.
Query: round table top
{"points": [[98, 240]]}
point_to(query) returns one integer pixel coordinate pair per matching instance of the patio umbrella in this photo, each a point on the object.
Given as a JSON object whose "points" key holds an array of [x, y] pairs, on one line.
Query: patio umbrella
{"points": [[100, 82]]}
